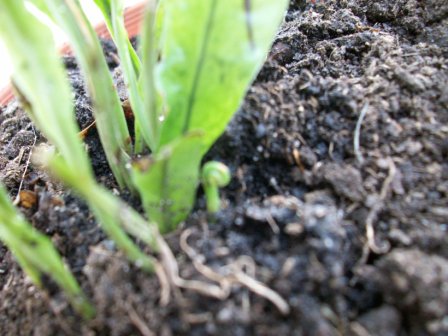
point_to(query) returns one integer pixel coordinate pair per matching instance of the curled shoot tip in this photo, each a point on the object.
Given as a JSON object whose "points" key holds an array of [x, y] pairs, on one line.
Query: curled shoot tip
{"points": [[215, 175]]}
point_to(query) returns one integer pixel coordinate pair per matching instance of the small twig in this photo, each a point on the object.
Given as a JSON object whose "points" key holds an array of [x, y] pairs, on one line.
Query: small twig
{"points": [[83, 133], [17, 199], [273, 224], [362, 115]]}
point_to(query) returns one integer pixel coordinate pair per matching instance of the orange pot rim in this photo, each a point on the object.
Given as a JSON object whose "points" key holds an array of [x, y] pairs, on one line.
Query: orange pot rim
{"points": [[133, 17]]}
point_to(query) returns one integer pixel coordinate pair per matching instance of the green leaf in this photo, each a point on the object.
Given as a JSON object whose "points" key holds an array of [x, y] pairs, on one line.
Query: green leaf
{"points": [[37, 255], [168, 181], [110, 120], [112, 213], [143, 123], [109, 8], [106, 9], [113, 13], [209, 51], [212, 51], [40, 80], [150, 98]]}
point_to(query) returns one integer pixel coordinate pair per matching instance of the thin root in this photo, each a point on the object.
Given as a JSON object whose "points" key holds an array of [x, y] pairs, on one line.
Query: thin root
{"points": [[138, 322], [356, 137], [165, 288], [371, 244], [234, 273], [172, 271]]}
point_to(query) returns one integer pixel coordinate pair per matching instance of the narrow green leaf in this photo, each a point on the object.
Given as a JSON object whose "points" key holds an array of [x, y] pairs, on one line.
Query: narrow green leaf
{"points": [[113, 13], [111, 211], [40, 80], [37, 255], [149, 48], [168, 181], [143, 123], [105, 7], [212, 51], [110, 120]]}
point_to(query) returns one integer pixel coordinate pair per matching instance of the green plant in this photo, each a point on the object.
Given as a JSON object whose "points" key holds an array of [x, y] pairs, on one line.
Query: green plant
{"points": [[197, 59]]}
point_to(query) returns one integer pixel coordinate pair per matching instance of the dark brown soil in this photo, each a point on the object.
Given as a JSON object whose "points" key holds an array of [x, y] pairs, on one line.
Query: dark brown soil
{"points": [[354, 238]]}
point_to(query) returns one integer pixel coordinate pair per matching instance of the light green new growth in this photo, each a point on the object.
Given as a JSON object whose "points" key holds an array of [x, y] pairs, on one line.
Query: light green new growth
{"points": [[37, 255], [167, 181], [215, 175]]}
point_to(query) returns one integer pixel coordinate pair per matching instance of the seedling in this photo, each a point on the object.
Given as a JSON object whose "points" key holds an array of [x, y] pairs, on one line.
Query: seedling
{"points": [[195, 62], [215, 175]]}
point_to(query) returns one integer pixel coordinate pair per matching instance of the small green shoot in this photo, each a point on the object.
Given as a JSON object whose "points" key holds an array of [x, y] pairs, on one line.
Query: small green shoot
{"points": [[215, 175], [113, 12]]}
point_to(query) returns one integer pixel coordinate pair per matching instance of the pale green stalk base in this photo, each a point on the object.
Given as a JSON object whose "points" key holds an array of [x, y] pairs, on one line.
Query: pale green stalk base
{"points": [[113, 214]]}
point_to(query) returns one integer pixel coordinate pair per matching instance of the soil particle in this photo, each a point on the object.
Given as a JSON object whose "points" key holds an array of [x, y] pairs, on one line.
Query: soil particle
{"points": [[21, 140], [346, 180], [382, 321], [417, 283]]}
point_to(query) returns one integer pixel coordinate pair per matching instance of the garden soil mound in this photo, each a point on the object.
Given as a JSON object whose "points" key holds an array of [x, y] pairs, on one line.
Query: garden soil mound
{"points": [[338, 201]]}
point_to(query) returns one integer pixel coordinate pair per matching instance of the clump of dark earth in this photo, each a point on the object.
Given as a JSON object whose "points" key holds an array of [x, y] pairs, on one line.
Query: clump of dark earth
{"points": [[353, 237]]}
